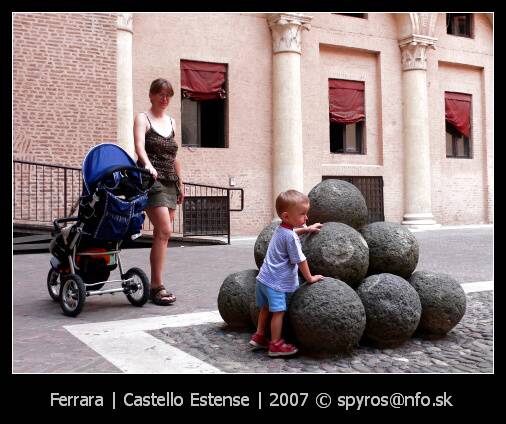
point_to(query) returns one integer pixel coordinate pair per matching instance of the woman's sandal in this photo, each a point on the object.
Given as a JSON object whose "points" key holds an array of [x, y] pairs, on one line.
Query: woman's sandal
{"points": [[158, 294]]}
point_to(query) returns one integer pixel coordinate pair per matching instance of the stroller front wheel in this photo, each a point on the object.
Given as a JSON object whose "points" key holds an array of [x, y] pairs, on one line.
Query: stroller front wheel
{"points": [[138, 294], [72, 295], [53, 286]]}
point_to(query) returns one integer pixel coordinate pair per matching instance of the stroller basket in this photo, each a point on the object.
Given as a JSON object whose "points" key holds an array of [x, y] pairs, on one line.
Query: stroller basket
{"points": [[112, 218]]}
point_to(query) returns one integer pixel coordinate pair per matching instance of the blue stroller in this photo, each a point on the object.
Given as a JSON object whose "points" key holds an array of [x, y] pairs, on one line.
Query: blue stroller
{"points": [[111, 210]]}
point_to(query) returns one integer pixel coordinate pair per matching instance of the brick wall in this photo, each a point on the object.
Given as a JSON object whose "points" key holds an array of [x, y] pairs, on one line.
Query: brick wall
{"points": [[462, 189], [64, 85]]}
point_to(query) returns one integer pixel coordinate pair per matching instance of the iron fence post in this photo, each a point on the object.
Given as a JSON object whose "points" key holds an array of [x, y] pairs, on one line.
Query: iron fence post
{"points": [[228, 214], [65, 191]]}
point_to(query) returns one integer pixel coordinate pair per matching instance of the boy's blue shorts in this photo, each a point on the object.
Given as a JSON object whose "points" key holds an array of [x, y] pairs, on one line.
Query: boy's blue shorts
{"points": [[268, 296]]}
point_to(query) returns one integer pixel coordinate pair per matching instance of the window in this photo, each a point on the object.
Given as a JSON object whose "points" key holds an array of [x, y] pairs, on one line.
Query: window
{"points": [[203, 123], [353, 15], [458, 125], [459, 24], [203, 104], [346, 138], [346, 116], [457, 145]]}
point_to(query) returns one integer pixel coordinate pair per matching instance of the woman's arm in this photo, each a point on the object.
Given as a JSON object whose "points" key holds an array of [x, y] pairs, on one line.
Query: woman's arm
{"points": [[177, 162], [140, 125]]}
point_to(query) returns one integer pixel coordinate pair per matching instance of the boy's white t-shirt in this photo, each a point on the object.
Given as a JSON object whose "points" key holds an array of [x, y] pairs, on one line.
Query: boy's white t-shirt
{"points": [[279, 270]]}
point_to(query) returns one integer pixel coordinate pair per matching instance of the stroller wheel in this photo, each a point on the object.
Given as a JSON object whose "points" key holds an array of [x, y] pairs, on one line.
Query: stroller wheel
{"points": [[72, 295], [138, 293], [53, 285]]}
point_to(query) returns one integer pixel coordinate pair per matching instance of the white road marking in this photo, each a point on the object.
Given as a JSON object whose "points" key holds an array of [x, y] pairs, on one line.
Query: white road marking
{"points": [[126, 344], [478, 286], [453, 227]]}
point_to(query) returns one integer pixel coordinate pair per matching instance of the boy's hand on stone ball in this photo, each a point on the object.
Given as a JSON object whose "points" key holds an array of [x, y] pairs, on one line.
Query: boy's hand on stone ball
{"points": [[316, 278], [314, 228]]}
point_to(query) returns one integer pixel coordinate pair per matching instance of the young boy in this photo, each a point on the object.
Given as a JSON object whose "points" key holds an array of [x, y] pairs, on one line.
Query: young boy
{"points": [[278, 274]]}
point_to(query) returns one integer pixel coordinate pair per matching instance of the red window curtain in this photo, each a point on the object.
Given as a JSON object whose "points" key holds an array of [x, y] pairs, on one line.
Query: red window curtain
{"points": [[458, 112], [346, 101], [202, 80]]}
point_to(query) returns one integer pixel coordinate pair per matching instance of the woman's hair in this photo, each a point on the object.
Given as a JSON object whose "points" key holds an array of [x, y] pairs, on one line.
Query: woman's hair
{"points": [[161, 84], [289, 198]]}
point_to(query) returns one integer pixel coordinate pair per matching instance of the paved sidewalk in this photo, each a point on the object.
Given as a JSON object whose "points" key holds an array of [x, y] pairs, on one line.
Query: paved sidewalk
{"points": [[195, 274]]}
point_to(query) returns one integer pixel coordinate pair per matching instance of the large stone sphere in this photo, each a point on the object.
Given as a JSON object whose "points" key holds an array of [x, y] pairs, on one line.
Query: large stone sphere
{"points": [[236, 293], [327, 316], [392, 308], [337, 251], [335, 200], [262, 242], [393, 249], [443, 301]]}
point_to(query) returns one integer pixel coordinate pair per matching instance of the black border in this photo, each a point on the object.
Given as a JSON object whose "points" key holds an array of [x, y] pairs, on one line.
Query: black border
{"points": [[472, 393]]}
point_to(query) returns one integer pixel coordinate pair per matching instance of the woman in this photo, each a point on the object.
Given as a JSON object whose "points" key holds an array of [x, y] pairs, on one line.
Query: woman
{"points": [[156, 149]]}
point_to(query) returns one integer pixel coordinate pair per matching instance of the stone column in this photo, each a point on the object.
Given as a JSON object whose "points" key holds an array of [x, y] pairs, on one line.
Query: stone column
{"points": [[417, 186], [124, 84], [288, 171]]}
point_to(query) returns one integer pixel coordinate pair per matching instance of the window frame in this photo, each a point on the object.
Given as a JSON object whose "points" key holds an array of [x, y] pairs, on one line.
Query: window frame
{"points": [[199, 119], [470, 16], [455, 138], [359, 139], [352, 15]]}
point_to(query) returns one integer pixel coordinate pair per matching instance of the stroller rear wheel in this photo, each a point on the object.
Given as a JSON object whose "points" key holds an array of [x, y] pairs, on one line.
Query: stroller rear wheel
{"points": [[138, 294], [72, 295], [53, 285]]}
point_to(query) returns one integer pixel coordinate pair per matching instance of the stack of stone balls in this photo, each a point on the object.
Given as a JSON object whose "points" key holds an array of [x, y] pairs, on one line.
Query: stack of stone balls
{"points": [[370, 293]]}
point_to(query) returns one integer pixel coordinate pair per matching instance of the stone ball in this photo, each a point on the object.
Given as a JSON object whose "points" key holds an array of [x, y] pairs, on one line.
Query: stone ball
{"points": [[262, 242], [443, 301], [337, 251], [393, 249], [327, 316], [392, 308], [335, 200], [236, 293]]}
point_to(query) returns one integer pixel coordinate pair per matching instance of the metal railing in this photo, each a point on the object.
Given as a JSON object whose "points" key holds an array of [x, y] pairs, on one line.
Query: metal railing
{"points": [[43, 192]]}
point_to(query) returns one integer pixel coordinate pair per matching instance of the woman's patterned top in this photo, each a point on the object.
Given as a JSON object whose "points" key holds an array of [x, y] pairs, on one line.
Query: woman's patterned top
{"points": [[161, 153]]}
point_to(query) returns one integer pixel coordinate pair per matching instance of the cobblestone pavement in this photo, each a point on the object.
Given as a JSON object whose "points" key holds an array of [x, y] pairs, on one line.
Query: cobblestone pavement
{"points": [[465, 349]]}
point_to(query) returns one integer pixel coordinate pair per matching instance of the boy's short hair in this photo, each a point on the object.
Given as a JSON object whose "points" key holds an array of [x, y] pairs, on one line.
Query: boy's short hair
{"points": [[289, 198]]}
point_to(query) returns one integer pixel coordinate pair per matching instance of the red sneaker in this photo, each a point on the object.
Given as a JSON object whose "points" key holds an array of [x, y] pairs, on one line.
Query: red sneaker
{"points": [[280, 348], [258, 341]]}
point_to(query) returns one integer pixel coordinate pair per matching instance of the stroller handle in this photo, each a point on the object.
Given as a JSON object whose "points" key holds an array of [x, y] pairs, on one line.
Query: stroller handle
{"points": [[57, 222]]}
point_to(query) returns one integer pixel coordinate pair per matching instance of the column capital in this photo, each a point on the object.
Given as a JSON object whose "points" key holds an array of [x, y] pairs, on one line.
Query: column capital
{"points": [[286, 31], [124, 22], [413, 51]]}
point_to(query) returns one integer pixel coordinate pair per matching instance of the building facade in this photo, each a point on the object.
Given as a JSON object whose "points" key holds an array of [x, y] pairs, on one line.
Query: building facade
{"points": [[403, 99]]}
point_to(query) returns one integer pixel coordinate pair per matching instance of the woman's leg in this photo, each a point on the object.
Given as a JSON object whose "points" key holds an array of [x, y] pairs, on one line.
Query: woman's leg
{"points": [[160, 217]]}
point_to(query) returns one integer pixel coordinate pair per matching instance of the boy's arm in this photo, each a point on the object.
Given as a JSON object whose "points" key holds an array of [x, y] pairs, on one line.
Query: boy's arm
{"points": [[308, 229], [304, 268]]}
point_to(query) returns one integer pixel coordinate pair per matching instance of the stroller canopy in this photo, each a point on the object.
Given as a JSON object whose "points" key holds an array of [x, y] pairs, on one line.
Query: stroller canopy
{"points": [[101, 160]]}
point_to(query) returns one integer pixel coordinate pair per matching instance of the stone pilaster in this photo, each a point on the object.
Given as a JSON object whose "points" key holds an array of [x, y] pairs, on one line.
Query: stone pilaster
{"points": [[124, 82], [288, 168], [417, 181]]}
